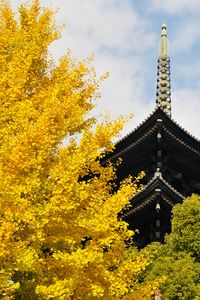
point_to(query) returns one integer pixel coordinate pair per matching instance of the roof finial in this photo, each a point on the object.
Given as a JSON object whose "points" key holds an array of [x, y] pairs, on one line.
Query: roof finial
{"points": [[163, 95], [164, 42]]}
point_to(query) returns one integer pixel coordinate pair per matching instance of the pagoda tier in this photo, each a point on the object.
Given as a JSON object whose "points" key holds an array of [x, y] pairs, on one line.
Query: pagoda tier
{"points": [[150, 212], [159, 142], [170, 157]]}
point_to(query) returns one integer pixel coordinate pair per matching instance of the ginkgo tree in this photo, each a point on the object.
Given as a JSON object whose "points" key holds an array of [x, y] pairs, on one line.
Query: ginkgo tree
{"points": [[60, 235]]}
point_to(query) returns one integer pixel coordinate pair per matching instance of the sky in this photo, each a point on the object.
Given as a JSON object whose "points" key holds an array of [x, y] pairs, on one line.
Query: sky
{"points": [[124, 36]]}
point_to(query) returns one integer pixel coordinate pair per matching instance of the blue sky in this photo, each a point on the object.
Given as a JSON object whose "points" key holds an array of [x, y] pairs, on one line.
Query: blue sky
{"points": [[124, 36]]}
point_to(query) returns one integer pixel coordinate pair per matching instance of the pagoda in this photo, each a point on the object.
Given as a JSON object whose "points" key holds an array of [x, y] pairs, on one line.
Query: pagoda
{"points": [[169, 155]]}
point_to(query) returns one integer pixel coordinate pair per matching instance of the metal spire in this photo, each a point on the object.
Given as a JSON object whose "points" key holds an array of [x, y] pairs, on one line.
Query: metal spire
{"points": [[163, 94]]}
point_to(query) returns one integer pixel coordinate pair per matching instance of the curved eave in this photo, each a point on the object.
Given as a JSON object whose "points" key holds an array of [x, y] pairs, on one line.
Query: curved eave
{"points": [[156, 187], [135, 137], [182, 136], [147, 128]]}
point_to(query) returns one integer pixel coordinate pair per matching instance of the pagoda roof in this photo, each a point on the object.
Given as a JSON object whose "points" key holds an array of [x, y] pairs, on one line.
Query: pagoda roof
{"points": [[148, 127], [138, 148], [156, 188]]}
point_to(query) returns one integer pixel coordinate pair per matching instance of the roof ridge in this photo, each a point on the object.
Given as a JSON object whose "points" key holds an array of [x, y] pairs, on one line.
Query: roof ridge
{"points": [[158, 175], [172, 188], [185, 130], [149, 116], [137, 127], [131, 146]]}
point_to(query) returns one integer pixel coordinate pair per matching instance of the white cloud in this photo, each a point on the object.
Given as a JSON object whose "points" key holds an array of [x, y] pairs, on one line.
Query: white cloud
{"points": [[186, 109], [119, 38], [176, 6], [122, 40], [187, 35], [93, 25]]}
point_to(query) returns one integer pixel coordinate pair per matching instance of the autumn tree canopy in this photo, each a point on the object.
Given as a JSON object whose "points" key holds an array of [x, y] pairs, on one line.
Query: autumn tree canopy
{"points": [[60, 236]]}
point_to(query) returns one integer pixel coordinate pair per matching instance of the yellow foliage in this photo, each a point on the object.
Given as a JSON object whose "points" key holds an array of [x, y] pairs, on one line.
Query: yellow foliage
{"points": [[60, 236]]}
